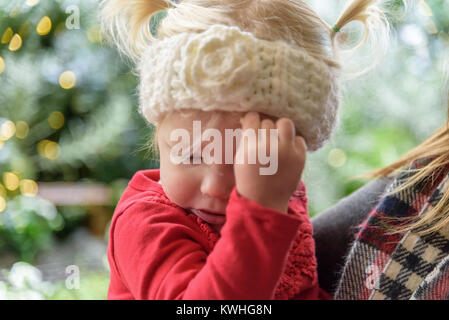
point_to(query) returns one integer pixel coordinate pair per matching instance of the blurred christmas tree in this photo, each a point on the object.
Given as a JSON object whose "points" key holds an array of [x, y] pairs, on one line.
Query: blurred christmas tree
{"points": [[67, 111]]}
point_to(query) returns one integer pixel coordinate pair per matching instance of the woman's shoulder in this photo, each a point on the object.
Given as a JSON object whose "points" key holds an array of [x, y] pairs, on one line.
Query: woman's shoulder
{"points": [[393, 265]]}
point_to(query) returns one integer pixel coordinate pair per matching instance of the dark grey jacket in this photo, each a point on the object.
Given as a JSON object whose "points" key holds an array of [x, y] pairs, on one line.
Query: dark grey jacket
{"points": [[334, 230]]}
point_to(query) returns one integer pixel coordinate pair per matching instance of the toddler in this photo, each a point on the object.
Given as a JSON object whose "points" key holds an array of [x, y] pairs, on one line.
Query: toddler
{"points": [[202, 229]]}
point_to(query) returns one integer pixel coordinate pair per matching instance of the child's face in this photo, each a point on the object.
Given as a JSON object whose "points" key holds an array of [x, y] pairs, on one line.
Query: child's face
{"points": [[197, 186]]}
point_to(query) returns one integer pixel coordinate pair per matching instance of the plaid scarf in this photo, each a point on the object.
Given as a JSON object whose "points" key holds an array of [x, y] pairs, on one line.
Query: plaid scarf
{"points": [[400, 266]]}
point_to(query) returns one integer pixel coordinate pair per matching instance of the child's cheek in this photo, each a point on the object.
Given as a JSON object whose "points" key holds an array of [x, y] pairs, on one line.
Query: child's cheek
{"points": [[179, 185]]}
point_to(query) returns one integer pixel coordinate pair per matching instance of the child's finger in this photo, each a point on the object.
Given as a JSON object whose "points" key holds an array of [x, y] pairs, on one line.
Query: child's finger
{"points": [[266, 125], [287, 130], [250, 124], [301, 144], [251, 121]]}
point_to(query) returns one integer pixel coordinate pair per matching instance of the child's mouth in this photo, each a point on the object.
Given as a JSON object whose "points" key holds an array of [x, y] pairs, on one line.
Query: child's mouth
{"points": [[210, 217]]}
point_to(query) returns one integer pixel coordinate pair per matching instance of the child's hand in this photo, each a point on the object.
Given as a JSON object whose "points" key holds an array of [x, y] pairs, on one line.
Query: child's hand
{"points": [[271, 191]]}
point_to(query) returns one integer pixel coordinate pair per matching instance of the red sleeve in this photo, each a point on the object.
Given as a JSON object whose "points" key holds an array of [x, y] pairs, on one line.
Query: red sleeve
{"points": [[158, 253]]}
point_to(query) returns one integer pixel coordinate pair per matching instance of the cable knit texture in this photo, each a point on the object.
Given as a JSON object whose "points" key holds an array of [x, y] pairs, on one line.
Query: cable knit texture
{"points": [[224, 68]]}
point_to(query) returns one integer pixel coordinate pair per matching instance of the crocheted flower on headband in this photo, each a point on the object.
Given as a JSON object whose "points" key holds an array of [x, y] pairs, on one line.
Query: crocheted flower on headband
{"points": [[224, 68], [221, 67]]}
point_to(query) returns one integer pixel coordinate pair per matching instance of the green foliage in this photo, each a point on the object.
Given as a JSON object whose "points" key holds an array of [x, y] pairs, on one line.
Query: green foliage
{"points": [[93, 286], [389, 111], [27, 226], [25, 282], [99, 136]]}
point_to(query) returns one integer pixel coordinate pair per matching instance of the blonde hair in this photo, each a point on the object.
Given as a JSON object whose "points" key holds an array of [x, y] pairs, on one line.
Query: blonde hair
{"points": [[125, 23], [436, 149]]}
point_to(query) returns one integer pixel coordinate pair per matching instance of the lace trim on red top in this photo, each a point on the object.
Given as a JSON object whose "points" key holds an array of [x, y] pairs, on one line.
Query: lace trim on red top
{"points": [[299, 273]]}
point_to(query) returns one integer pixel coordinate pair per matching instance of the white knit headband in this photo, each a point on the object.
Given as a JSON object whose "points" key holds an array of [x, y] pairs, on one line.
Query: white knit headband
{"points": [[224, 68]]}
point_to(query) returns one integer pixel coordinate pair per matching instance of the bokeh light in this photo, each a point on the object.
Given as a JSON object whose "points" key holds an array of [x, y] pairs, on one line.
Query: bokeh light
{"points": [[2, 191], [49, 149], [10, 180], [2, 65], [22, 129], [31, 3], [7, 130], [44, 26], [2, 204], [67, 80], [7, 36], [94, 34], [15, 43], [41, 147], [56, 120], [52, 150], [28, 187], [336, 158]]}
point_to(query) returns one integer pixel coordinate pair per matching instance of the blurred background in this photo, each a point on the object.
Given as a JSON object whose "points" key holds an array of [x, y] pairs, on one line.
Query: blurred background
{"points": [[71, 137]]}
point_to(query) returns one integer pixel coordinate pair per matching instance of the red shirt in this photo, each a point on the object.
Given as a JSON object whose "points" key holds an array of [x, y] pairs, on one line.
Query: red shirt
{"points": [[158, 250]]}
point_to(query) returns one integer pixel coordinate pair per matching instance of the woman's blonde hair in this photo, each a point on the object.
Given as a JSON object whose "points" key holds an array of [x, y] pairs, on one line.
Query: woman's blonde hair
{"points": [[436, 149]]}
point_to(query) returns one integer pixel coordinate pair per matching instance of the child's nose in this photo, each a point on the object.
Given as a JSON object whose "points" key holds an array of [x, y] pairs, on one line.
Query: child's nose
{"points": [[218, 181]]}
